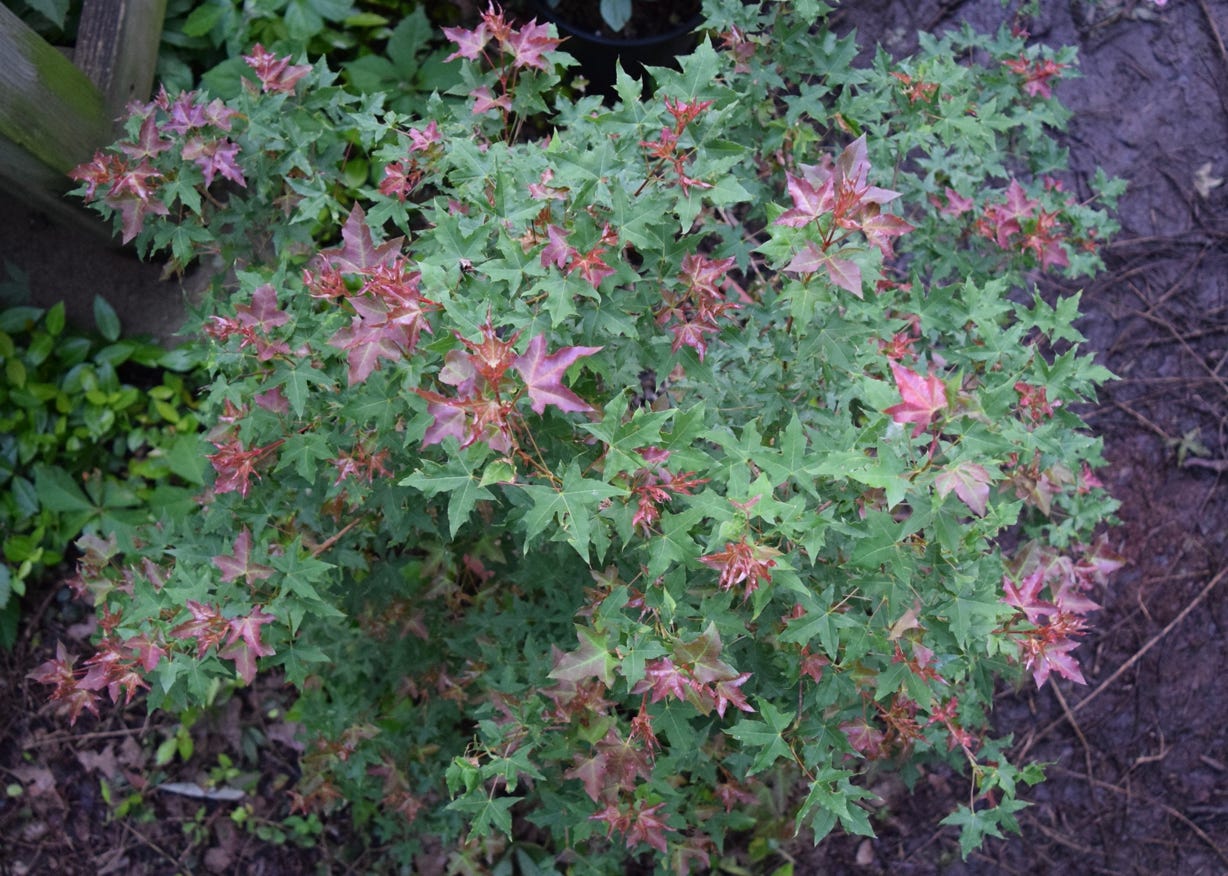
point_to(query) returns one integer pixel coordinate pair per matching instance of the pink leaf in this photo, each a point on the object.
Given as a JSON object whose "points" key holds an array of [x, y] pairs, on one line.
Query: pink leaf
{"points": [[543, 374], [358, 251], [809, 201], [970, 483], [922, 398], [845, 274], [238, 564]]}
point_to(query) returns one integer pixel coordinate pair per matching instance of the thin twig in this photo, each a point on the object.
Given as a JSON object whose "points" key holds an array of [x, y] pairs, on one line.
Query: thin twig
{"points": [[1151, 801], [1219, 40]]}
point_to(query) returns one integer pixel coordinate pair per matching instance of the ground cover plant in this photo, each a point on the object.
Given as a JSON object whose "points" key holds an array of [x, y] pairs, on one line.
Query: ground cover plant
{"points": [[813, 482], [85, 445]]}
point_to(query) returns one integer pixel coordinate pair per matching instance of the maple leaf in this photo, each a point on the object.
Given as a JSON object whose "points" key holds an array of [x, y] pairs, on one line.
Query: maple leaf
{"points": [[132, 211], [470, 43], [956, 205], [591, 266], [616, 764], [879, 228], [743, 561], [235, 466], [207, 626], [648, 827], [243, 645], [263, 312], [238, 565], [149, 142], [543, 374], [810, 200], [922, 398], [215, 156], [842, 272], [59, 672], [1026, 596], [102, 169], [529, 44], [970, 482], [276, 74], [591, 659], [663, 679], [358, 252], [557, 251]]}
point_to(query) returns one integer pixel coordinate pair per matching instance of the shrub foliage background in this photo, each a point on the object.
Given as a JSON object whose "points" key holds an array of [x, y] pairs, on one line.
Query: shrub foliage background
{"points": [[600, 475]]}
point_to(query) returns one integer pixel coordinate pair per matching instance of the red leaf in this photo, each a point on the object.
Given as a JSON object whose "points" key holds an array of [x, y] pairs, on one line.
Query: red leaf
{"points": [[244, 645], [543, 373], [237, 565], [841, 272], [922, 398], [880, 228], [810, 200], [844, 274], [529, 43], [358, 252]]}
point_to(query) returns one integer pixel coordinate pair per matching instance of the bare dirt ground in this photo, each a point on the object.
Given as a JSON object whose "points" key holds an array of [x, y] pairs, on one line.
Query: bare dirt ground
{"points": [[1139, 775]]}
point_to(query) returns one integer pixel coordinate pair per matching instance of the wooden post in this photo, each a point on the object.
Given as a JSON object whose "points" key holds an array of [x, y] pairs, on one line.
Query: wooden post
{"points": [[52, 116], [117, 48]]}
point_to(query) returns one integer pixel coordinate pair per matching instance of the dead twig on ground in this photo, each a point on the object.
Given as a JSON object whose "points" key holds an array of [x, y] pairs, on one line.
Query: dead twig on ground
{"points": [[1219, 40], [1151, 801]]}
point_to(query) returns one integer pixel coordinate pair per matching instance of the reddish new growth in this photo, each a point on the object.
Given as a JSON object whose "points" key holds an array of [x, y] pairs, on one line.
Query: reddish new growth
{"points": [[921, 398], [1018, 224], [665, 149], [251, 324], [276, 74], [916, 90], [236, 466], [1054, 624], [1036, 74], [402, 177], [590, 265], [693, 312], [743, 562], [695, 673], [838, 196], [655, 485], [390, 311], [131, 185], [484, 407], [1034, 403], [238, 638], [505, 48]]}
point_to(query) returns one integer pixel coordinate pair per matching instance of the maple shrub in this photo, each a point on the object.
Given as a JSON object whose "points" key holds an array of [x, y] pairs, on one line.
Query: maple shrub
{"points": [[609, 480]]}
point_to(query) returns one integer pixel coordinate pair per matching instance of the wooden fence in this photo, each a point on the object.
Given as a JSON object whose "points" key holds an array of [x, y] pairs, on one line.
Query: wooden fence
{"points": [[57, 107]]}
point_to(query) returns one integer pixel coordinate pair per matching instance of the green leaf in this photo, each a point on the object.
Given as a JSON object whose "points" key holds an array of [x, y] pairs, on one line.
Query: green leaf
{"points": [[486, 813], [572, 506], [59, 491], [459, 478], [106, 319], [55, 11], [591, 659], [767, 735], [831, 793], [202, 19]]}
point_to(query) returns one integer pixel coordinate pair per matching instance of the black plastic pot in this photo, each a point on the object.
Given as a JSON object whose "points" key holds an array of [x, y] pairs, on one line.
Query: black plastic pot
{"points": [[599, 54]]}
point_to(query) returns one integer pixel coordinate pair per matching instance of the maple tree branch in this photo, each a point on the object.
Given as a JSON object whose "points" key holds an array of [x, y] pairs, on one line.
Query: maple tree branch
{"points": [[335, 537]]}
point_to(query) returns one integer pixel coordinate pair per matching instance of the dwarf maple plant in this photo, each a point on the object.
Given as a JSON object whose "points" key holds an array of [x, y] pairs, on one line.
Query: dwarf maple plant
{"points": [[591, 483]]}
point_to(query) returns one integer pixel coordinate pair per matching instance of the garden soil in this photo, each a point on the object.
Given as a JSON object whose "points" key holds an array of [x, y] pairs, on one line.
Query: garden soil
{"points": [[1138, 775]]}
